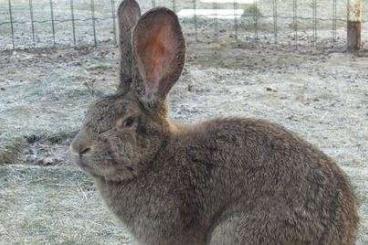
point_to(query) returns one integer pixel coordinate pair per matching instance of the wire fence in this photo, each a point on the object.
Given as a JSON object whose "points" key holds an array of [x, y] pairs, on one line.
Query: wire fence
{"points": [[308, 23]]}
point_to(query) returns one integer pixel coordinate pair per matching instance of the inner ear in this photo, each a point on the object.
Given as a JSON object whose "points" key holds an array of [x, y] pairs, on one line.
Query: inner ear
{"points": [[156, 55], [159, 48]]}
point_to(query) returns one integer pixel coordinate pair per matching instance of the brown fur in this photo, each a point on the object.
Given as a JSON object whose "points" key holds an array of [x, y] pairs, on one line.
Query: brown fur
{"points": [[224, 181], [128, 15]]}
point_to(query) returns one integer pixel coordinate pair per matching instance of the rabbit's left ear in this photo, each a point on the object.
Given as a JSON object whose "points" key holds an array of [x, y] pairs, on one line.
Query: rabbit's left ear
{"points": [[128, 14], [159, 50]]}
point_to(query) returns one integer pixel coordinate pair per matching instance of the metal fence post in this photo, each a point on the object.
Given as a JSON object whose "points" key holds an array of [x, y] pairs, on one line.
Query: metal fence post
{"points": [[255, 19], [354, 25], [235, 6], [73, 21], [195, 20], [32, 22], [11, 22], [334, 20], [314, 23], [215, 18], [52, 21], [93, 21], [274, 8], [113, 15], [295, 22]]}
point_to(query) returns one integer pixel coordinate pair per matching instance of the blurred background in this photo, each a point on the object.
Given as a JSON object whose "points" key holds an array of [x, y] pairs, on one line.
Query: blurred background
{"points": [[45, 23]]}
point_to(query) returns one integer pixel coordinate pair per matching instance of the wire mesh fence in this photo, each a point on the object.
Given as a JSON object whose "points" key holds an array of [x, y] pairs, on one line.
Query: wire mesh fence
{"points": [[309, 23]]}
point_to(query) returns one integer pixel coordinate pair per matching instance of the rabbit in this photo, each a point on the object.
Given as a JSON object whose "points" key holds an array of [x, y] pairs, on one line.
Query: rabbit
{"points": [[221, 181]]}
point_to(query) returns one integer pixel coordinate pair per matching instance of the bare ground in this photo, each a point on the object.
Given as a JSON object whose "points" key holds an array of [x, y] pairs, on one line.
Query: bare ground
{"points": [[44, 93]]}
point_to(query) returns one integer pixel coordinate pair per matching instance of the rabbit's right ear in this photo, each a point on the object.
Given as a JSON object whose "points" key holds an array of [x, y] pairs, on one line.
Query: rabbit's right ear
{"points": [[159, 50], [128, 16]]}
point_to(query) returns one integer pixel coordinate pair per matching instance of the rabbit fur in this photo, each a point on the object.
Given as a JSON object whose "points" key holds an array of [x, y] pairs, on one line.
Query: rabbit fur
{"points": [[222, 181]]}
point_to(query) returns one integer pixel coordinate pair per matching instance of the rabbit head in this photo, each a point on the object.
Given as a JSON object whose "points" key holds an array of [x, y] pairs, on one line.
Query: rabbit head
{"points": [[122, 133]]}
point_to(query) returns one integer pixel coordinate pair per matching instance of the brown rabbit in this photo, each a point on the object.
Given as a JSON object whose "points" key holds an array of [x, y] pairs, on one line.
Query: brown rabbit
{"points": [[224, 181]]}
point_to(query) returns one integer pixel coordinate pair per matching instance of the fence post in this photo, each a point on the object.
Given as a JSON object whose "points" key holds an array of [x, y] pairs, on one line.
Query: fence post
{"points": [[274, 10], [52, 21], [354, 25], [113, 15], [32, 21], [11, 22], [93, 17], [334, 21], [255, 19], [235, 6], [295, 21], [73, 21], [195, 20], [314, 6], [216, 28]]}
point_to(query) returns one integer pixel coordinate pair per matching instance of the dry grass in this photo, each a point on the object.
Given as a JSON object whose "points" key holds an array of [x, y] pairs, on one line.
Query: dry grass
{"points": [[43, 94], [11, 150], [53, 205]]}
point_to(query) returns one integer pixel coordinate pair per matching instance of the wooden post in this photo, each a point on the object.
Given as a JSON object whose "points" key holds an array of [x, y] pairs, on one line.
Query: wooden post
{"points": [[354, 27]]}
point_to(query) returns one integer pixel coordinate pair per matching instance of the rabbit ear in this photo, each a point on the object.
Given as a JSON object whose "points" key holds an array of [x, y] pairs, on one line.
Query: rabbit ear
{"points": [[159, 50], [128, 16]]}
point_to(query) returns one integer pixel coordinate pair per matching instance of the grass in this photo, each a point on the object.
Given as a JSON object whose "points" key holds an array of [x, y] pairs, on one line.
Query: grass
{"points": [[51, 205], [11, 150]]}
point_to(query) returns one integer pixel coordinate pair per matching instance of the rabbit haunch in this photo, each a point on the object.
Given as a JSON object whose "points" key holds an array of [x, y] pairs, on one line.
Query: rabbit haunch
{"points": [[224, 181]]}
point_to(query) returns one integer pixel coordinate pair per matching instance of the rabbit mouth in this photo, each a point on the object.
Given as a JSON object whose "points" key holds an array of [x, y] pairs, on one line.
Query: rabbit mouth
{"points": [[83, 164], [91, 167], [87, 168]]}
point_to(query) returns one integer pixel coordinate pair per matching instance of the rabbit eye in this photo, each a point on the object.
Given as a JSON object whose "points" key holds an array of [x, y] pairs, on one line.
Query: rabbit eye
{"points": [[128, 122]]}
